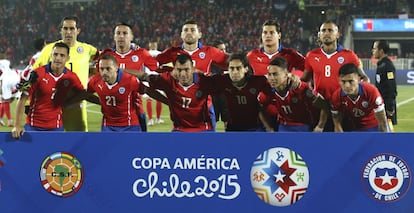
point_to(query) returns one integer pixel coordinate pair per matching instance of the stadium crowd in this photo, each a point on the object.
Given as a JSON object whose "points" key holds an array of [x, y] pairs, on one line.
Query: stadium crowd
{"points": [[238, 23]]}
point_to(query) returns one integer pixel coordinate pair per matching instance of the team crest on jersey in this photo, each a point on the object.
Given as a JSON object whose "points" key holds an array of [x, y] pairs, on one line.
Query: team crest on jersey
{"points": [[121, 90], [341, 60], [66, 83], [135, 58], [386, 177], [202, 55], [279, 176], [364, 104], [61, 174], [199, 93], [294, 100], [252, 91], [79, 50]]}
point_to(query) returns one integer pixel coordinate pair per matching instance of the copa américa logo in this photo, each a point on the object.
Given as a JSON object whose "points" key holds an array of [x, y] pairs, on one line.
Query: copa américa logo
{"points": [[386, 177], [279, 176], [61, 174]]}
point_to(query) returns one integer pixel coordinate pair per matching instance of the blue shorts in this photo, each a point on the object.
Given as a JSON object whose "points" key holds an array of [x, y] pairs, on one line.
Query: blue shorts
{"points": [[213, 117], [372, 129], [29, 128], [288, 128], [121, 128]]}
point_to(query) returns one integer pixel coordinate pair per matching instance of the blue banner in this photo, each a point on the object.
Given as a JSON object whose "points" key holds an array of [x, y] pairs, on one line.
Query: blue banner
{"points": [[403, 77], [210, 172], [383, 25]]}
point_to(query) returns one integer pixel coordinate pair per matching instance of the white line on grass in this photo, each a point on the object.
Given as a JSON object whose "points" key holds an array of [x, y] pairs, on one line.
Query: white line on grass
{"points": [[91, 111], [405, 102]]}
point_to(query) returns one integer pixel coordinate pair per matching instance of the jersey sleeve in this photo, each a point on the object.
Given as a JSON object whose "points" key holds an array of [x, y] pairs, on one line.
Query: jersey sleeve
{"points": [[91, 83], [165, 57], [76, 83], [93, 52], [308, 66], [149, 61], [336, 102], [219, 58]]}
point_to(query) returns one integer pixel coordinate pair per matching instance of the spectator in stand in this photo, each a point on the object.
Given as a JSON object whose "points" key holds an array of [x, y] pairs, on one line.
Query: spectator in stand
{"points": [[322, 65], [358, 101], [385, 78]]}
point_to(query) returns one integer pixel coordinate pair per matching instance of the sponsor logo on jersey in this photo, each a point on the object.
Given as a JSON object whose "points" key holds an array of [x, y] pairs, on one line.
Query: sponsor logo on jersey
{"points": [[386, 177], [61, 174], [279, 176]]}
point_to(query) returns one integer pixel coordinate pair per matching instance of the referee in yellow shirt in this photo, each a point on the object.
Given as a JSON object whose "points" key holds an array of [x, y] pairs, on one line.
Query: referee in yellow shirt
{"points": [[74, 116]]}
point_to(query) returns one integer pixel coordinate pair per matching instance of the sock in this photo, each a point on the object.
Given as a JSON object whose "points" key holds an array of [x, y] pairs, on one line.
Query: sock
{"points": [[158, 108], [6, 108], [149, 108], [1, 110]]}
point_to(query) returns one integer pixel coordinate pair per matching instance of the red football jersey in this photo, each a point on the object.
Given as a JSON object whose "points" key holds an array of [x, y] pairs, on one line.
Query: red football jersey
{"points": [[295, 107], [360, 112], [325, 68], [134, 60], [242, 103], [188, 105], [117, 100], [47, 95], [202, 57], [259, 60]]}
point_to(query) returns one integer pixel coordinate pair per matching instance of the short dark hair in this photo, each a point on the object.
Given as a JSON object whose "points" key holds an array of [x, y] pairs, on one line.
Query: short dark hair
{"points": [[183, 58], [272, 22], [109, 57], [190, 21], [330, 22], [73, 18], [348, 69], [280, 62], [39, 43], [217, 42], [245, 62], [61, 44], [239, 56], [383, 45], [123, 24]]}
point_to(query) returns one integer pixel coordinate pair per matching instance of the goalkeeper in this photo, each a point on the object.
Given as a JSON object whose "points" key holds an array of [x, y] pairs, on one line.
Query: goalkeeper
{"points": [[74, 116]]}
